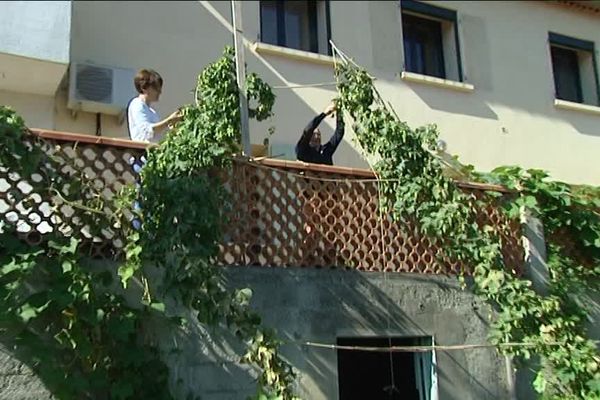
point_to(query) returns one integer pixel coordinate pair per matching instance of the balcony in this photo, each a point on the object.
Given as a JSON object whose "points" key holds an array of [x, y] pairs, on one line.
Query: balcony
{"points": [[283, 214]]}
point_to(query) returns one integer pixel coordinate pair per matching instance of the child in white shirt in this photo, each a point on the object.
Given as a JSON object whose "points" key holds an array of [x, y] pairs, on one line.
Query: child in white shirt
{"points": [[143, 121]]}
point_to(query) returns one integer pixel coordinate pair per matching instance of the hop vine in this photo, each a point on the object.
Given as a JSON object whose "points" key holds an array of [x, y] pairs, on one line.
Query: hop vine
{"points": [[414, 187], [63, 314]]}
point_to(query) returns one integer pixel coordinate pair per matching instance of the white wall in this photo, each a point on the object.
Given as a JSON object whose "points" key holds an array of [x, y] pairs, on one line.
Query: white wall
{"points": [[36, 29], [510, 117]]}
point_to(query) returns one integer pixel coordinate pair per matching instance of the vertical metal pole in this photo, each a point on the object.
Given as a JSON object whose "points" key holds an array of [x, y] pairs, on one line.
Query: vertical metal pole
{"points": [[236, 11]]}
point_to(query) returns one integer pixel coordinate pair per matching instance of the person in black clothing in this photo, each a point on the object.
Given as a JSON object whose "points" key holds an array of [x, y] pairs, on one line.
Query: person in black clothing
{"points": [[309, 147]]}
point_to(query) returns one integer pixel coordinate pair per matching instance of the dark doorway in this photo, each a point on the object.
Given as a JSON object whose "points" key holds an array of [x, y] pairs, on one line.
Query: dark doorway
{"points": [[379, 375]]}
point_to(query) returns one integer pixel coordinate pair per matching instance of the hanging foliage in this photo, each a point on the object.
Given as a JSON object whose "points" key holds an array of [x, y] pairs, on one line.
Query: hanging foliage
{"points": [[414, 187], [80, 337]]}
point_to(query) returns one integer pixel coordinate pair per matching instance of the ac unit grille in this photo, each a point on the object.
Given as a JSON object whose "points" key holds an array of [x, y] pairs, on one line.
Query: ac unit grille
{"points": [[94, 83]]}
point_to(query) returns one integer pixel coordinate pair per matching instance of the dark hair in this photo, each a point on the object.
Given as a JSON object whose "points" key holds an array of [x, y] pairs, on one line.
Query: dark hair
{"points": [[146, 78]]}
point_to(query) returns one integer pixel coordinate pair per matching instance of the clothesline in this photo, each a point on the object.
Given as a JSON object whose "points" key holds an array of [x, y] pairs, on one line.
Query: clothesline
{"points": [[423, 349], [296, 86]]}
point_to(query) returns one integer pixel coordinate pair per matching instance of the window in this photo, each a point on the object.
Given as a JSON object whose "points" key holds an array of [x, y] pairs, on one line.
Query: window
{"points": [[301, 25], [430, 36], [574, 68], [386, 375]]}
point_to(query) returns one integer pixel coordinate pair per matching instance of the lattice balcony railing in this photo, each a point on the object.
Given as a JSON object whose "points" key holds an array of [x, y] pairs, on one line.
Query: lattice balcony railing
{"points": [[284, 213]]}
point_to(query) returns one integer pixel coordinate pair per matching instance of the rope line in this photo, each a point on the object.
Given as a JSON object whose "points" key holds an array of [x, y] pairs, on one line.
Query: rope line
{"points": [[392, 386], [424, 349], [299, 85]]}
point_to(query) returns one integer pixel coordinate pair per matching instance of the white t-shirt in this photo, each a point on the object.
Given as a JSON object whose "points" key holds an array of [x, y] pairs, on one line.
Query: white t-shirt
{"points": [[141, 117]]}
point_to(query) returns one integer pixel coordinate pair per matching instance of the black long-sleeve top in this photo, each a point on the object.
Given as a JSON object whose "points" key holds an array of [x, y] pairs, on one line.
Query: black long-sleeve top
{"points": [[323, 154]]}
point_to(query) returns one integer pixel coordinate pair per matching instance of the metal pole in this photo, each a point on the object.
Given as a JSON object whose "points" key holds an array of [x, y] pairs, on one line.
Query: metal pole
{"points": [[236, 8]]}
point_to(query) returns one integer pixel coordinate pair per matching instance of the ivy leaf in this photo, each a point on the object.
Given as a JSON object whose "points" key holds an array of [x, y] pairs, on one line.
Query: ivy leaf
{"points": [[11, 266], [67, 266], [539, 384], [493, 281], [100, 314], [27, 312], [530, 202], [125, 272], [160, 307]]}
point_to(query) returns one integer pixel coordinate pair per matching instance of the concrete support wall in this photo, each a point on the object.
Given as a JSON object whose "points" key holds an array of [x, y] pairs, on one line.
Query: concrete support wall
{"points": [[320, 305], [17, 381]]}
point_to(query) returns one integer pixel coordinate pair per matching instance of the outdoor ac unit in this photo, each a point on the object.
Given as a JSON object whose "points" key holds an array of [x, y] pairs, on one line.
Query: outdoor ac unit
{"points": [[100, 89]]}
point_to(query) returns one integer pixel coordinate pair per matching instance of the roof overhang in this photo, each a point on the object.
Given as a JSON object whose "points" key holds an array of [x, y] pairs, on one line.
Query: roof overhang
{"points": [[588, 6]]}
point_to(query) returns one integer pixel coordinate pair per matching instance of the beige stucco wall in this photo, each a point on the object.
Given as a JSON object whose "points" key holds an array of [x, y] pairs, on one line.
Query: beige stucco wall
{"points": [[38, 111], [509, 118]]}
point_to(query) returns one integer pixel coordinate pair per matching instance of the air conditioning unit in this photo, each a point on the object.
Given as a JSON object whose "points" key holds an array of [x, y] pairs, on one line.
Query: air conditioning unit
{"points": [[100, 89]]}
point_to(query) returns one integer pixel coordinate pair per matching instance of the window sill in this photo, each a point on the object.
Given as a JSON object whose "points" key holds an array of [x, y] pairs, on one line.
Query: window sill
{"points": [[294, 54], [433, 81], [570, 105]]}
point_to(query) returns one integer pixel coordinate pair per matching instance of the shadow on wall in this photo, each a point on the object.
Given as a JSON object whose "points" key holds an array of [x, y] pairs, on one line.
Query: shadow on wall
{"points": [[446, 100], [294, 107], [514, 85], [511, 85], [320, 305], [455, 102], [584, 123]]}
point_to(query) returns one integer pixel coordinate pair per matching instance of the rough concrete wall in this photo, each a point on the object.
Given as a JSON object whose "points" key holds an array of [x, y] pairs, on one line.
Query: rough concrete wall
{"points": [[321, 305], [17, 382]]}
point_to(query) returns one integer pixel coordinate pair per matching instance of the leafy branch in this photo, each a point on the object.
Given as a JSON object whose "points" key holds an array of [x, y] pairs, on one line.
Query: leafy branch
{"points": [[414, 187]]}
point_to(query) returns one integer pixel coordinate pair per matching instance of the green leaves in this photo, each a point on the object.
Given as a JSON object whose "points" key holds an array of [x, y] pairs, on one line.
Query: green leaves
{"points": [[492, 282], [184, 204], [68, 328], [570, 215], [27, 312], [539, 384]]}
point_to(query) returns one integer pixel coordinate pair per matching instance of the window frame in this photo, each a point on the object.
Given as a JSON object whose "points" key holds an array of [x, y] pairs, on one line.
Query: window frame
{"points": [[571, 43], [423, 10], [576, 73], [314, 28], [436, 34], [424, 365]]}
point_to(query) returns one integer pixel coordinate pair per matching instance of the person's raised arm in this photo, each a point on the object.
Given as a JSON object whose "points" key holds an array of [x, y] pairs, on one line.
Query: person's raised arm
{"points": [[162, 125], [338, 135], [312, 125]]}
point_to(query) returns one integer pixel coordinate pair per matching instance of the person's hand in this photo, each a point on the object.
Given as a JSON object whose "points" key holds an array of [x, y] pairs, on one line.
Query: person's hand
{"points": [[330, 108], [175, 117]]}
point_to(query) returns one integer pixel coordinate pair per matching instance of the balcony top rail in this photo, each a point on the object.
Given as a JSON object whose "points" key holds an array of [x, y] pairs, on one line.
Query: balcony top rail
{"points": [[283, 214]]}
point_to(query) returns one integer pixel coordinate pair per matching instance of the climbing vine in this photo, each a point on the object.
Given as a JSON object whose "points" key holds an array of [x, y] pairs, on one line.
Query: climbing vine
{"points": [[184, 211], [415, 188], [61, 310], [58, 311]]}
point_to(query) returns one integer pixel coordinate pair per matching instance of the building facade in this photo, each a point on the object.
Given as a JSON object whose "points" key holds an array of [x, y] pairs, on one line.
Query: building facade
{"points": [[506, 82]]}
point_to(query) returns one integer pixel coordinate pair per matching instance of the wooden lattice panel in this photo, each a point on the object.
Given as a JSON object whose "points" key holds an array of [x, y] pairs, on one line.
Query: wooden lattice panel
{"points": [[279, 215], [36, 213], [284, 218]]}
